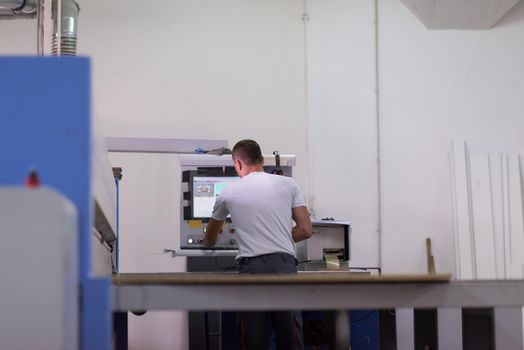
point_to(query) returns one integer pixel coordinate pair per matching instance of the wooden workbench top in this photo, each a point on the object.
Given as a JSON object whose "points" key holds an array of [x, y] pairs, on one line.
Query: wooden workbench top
{"points": [[301, 278]]}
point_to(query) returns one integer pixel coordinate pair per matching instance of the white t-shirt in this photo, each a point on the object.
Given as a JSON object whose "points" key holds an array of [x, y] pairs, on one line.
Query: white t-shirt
{"points": [[261, 205]]}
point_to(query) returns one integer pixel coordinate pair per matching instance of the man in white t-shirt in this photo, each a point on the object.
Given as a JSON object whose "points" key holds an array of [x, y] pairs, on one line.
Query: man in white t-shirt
{"points": [[262, 207]]}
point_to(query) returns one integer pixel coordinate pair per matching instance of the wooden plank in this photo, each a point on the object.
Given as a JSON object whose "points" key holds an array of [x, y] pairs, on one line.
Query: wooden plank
{"points": [[235, 278], [429, 257], [497, 205], [505, 217], [516, 224], [465, 268], [481, 208]]}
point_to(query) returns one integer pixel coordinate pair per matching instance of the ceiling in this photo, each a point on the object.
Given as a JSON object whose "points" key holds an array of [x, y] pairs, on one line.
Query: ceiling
{"points": [[459, 14]]}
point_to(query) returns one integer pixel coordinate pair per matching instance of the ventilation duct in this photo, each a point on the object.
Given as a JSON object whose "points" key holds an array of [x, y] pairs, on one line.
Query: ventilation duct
{"points": [[18, 8], [69, 10], [459, 14]]}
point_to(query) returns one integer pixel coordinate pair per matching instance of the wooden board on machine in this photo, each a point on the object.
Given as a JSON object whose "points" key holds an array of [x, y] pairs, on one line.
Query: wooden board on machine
{"points": [[301, 278]]}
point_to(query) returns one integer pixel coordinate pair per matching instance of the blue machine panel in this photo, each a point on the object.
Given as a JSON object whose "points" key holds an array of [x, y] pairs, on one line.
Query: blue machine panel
{"points": [[45, 125]]}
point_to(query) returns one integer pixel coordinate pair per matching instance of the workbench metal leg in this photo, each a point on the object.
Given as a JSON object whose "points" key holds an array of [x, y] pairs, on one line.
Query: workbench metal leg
{"points": [[405, 327], [339, 324], [120, 330], [449, 327], [508, 328]]}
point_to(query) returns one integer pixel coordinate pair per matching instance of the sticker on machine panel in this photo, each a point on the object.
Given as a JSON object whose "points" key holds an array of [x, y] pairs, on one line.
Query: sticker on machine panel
{"points": [[195, 223]]}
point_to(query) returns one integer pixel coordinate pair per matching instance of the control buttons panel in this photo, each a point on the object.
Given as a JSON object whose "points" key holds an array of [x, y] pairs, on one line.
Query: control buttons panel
{"points": [[193, 236]]}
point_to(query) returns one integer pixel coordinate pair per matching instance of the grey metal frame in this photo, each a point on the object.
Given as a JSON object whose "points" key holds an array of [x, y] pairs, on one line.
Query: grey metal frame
{"points": [[314, 296], [506, 297], [160, 145]]}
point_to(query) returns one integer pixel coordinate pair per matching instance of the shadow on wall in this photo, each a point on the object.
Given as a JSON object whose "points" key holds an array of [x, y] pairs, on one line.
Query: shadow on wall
{"points": [[512, 17]]}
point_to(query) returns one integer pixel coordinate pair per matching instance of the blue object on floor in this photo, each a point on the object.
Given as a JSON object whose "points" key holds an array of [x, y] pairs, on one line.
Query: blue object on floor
{"points": [[364, 334]]}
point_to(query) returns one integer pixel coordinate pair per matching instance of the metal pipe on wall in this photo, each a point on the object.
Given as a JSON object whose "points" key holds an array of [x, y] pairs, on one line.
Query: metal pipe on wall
{"points": [[309, 181], [378, 129], [17, 7], [69, 10], [40, 28]]}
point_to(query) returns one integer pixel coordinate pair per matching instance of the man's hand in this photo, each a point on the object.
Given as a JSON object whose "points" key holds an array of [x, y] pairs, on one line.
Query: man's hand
{"points": [[303, 230], [214, 228]]}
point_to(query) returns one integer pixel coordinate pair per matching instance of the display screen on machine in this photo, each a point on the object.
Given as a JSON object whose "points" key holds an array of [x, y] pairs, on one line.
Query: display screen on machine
{"points": [[205, 191]]}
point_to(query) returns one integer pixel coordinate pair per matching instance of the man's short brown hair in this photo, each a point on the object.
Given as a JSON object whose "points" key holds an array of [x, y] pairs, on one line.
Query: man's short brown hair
{"points": [[249, 152]]}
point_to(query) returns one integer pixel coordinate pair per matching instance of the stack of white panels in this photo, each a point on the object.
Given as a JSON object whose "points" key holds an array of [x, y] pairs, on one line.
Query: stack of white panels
{"points": [[488, 214]]}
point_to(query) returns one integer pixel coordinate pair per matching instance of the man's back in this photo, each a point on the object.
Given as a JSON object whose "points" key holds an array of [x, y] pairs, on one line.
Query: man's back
{"points": [[261, 206]]}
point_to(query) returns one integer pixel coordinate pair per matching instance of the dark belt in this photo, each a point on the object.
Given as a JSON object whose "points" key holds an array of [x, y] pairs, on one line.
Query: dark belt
{"points": [[247, 259]]}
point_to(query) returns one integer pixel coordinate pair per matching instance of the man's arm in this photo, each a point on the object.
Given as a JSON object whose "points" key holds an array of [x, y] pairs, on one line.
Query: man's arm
{"points": [[303, 229], [214, 228]]}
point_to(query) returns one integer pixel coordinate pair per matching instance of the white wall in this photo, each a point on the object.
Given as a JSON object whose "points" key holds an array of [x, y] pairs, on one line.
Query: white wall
{"points": [[200, 69], [341, 86], [18, 37], [437, 86]]}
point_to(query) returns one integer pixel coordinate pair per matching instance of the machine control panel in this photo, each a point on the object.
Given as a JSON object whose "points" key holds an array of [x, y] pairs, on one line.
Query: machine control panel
{"points": [[193, 237], [203, 187]]}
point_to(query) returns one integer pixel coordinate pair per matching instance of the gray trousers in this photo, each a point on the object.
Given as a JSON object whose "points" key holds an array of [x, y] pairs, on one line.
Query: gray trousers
{"points": [[287, 325]]}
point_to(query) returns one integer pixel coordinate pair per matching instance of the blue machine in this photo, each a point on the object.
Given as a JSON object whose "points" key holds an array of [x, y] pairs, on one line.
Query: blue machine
{"points": [[46, 126]]}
